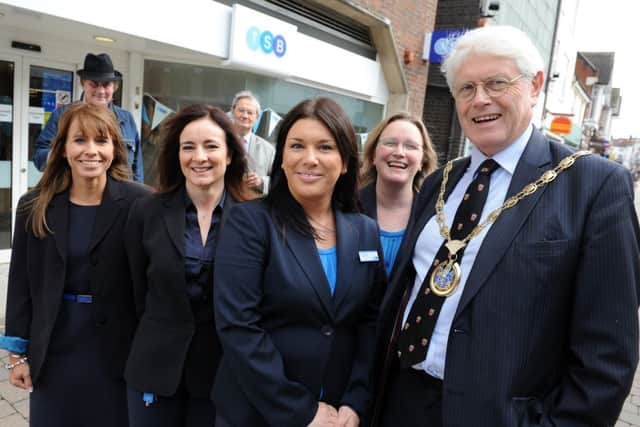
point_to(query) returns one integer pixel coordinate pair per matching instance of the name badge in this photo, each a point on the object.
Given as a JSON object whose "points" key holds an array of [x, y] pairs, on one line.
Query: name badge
{"points": [[368, 256]]}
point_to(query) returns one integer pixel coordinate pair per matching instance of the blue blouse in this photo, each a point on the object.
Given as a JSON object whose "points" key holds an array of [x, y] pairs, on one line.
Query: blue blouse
{"points": [[390, 241], [198, 258], [329, 262]]}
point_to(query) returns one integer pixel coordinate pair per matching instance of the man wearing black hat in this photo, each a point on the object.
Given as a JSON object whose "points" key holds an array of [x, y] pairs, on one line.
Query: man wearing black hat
{"points": [[99, 82]]}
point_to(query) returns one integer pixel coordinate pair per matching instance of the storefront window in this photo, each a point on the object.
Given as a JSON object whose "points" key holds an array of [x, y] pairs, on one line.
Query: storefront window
{"points": [[171, 86]]}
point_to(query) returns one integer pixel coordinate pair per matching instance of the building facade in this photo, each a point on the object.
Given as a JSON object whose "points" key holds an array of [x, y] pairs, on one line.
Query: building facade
{"points": [[537, 18], [362, 53]]}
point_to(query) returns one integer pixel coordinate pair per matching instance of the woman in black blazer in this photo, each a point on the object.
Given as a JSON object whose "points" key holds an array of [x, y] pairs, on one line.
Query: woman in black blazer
{"points": [[171, 240], [398, 156], [298, 281], [70, 314]]}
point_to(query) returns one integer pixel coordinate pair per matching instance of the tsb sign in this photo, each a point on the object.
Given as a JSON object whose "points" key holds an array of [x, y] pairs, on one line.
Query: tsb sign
{"points": [[266, 41]]}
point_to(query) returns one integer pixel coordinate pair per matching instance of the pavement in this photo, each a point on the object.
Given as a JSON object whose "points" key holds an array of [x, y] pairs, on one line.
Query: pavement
{"points": [[14, 402]]}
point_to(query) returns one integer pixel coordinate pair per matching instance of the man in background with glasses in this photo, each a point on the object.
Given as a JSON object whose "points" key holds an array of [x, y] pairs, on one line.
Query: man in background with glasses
{"points": [[245, 111], [516, 298]]}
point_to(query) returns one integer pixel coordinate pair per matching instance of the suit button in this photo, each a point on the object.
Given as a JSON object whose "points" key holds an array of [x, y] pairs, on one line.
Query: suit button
{"points": [[102, 320], [93, 259], [326, 330]]}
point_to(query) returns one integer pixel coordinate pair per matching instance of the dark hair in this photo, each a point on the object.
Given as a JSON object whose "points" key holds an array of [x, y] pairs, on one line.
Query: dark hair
{"points": [[93, 121], [286, 210], [170, 176]]}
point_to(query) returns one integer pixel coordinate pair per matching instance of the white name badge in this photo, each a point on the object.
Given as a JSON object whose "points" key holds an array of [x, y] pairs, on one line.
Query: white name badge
{"points": [[368, 256]]}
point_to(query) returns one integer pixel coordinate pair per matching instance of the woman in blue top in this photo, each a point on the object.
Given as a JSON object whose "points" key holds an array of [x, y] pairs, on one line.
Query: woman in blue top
{"points": [[397, 157], [298, 280]]}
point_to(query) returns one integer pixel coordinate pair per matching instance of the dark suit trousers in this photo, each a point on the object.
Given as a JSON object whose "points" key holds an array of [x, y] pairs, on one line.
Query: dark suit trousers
{"points": [[414, 399], [179, 410]]}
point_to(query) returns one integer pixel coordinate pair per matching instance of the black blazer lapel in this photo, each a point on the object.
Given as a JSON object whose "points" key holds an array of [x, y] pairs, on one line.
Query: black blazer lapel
{"points": [[58, 222], [535, 160], [347, 250], [306, 254], [108, 211], [368, 201], [174, 218], [228, 203]]}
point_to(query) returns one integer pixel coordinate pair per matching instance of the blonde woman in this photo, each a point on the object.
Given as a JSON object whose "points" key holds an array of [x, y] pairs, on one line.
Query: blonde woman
{"points": [[397, 157]]}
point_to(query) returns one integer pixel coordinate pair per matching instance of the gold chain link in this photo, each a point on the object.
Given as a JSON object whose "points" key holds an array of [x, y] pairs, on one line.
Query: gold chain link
{"points": [[528, 190]]}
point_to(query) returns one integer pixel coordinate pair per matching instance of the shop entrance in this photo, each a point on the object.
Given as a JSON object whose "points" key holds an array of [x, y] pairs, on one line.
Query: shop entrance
{"points": [[30, 89]]}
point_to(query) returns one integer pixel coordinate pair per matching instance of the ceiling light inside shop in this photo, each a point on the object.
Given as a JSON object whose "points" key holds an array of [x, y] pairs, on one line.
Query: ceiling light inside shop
{"points": [[104, 39]]}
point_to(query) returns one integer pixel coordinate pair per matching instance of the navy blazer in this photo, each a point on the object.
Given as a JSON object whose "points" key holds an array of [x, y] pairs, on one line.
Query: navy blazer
{"points": [[37, 276], [286, 340], [175, 337], [546, 331]]}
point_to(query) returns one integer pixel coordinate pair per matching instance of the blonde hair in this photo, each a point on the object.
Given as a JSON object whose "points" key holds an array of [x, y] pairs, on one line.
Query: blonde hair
{"points": [[92, 120], [369, 174]]}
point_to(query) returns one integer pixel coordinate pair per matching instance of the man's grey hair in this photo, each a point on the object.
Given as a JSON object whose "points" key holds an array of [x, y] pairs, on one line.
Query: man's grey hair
{"points": [[248, 95], [498, 40]]}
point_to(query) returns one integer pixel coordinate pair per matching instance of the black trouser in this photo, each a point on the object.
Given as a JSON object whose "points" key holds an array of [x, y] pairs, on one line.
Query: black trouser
{"points": [[179, 410], [414, 399]]}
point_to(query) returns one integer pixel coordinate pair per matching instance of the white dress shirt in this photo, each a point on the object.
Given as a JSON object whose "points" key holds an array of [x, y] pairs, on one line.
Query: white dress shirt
{"points": [[430, 240]]}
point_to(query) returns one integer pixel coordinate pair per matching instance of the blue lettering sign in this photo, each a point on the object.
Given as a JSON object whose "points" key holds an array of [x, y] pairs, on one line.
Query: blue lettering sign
{"points": [[253, 38], [279, 46], [266, 41]]}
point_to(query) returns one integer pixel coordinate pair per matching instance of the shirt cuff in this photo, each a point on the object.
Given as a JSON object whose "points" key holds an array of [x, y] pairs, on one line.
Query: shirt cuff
{"points": [[13, 344]]}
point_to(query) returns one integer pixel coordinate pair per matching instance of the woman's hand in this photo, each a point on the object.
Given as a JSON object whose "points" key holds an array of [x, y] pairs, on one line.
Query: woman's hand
{"points": [[326, 416], [20, 376], [347, 417]]}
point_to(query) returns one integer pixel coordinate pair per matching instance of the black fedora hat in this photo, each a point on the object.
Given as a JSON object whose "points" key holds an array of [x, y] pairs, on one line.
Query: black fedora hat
{"points": [[99, 68]]}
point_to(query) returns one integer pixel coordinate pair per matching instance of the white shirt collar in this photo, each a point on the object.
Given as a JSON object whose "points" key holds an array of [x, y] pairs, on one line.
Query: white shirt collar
{"points": [[508, 157]]}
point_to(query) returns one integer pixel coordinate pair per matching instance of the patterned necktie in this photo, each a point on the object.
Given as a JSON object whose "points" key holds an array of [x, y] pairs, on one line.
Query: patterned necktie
{"points": [[415, 336]]}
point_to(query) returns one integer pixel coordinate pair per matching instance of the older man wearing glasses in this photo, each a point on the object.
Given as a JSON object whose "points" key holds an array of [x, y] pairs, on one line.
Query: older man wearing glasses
{"points": [[245, 111], [516, 298]]}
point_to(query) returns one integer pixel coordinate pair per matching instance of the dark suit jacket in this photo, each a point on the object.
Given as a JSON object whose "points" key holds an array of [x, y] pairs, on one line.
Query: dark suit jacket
{"points": [[175, 336], [286, 340], [37, 276], [546, 331]]}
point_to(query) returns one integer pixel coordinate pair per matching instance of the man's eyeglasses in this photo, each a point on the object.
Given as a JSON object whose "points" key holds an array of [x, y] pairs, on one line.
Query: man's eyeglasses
{"points": [[247, 111], [493, 87], [392, 144]]}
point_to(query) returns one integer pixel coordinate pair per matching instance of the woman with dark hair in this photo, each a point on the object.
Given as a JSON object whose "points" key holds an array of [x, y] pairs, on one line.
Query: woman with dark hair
{"points": [[171, 241], [398, 156], [70, 313], [298, 281]]}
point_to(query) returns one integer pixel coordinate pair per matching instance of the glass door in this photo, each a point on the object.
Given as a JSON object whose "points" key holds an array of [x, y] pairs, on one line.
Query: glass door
{"points": [[50, 87], [8, 123], [29, 92]]}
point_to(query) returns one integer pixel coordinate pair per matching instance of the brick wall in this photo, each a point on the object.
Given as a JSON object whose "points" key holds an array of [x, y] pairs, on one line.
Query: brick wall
{"points": [[582, 71], [410, 19], [439, 111]]}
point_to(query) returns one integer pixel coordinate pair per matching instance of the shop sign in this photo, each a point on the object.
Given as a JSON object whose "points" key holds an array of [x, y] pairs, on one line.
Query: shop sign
{"points": [[561, 125], [261, 42], [438, 44], [266, 42]]}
